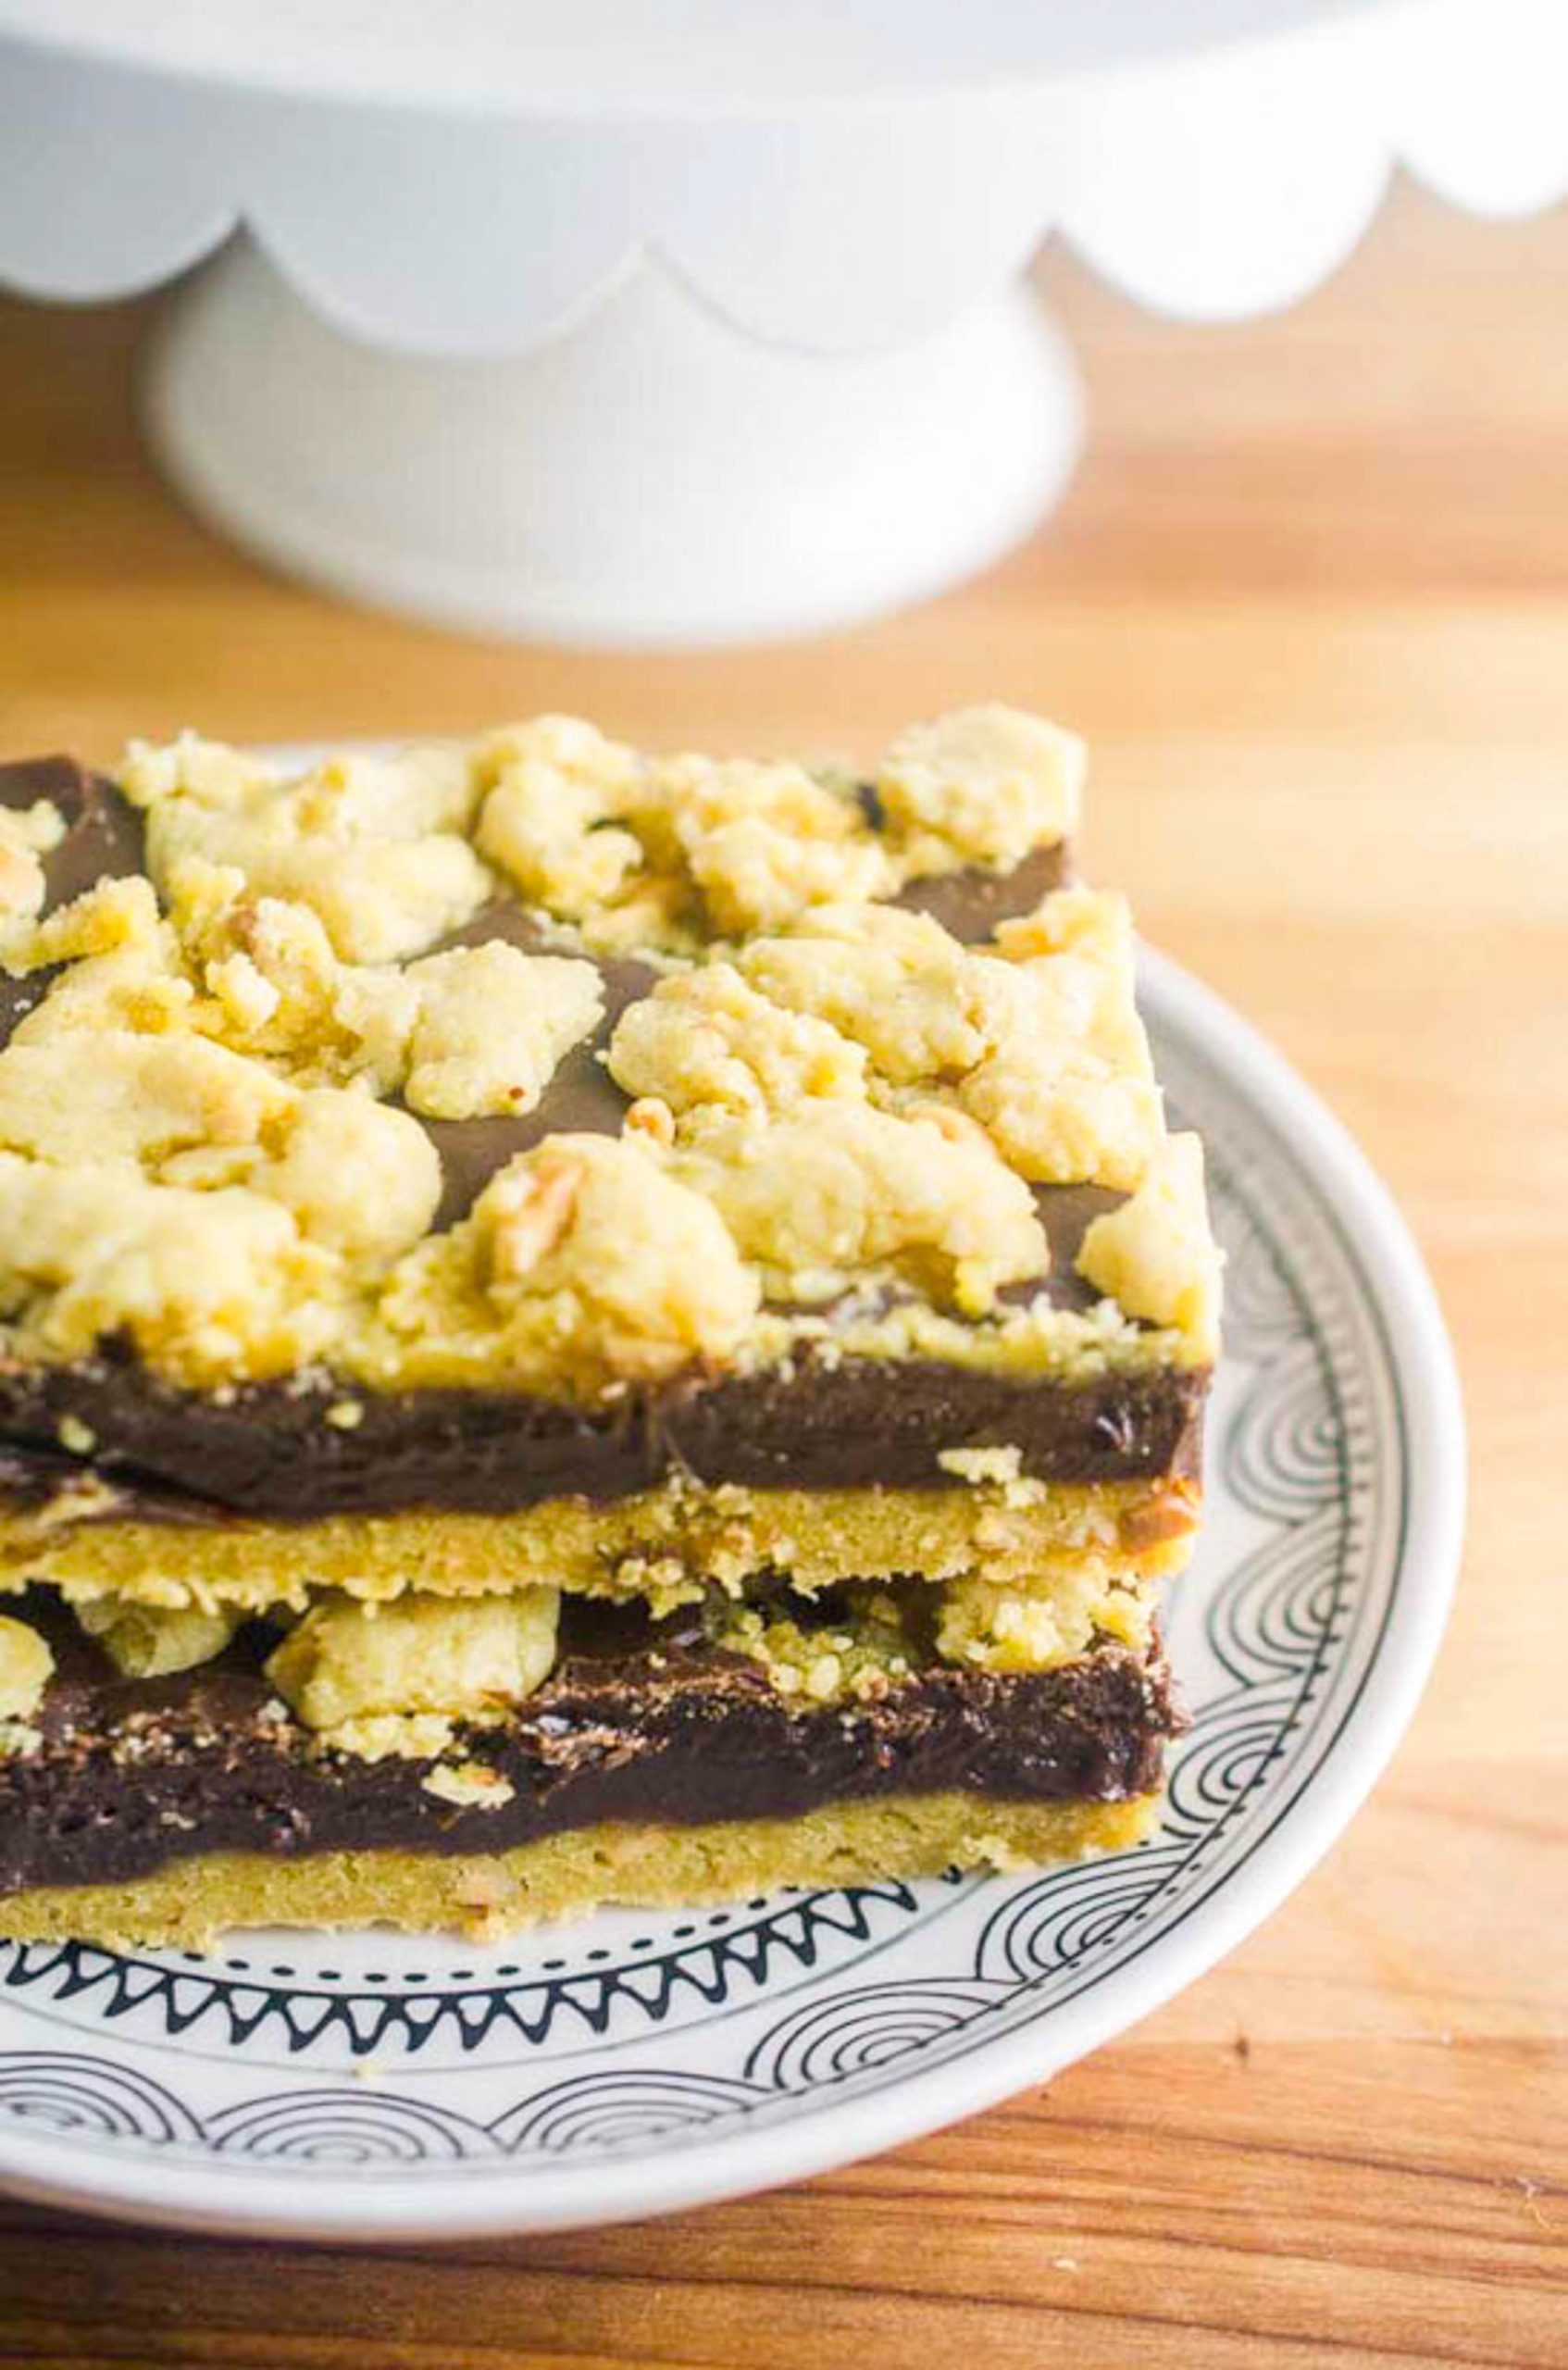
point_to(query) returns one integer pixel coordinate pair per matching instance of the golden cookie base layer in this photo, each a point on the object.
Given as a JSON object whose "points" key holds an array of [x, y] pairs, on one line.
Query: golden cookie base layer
{"points": [[187, 1906], [664, 1545]]}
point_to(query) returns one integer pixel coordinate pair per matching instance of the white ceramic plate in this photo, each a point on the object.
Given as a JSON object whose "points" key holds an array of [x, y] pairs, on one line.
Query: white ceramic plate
{"points": [[364, 2087]]}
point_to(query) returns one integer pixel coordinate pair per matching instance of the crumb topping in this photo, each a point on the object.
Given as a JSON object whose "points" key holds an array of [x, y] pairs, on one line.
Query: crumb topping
{"points": [[26, 833], [377, 1679], [1038, 1042], [990, 1624], [492, 1026], [707, 1041], [585, 1264], [986, 784], [1155, 1256], [856, 1659], [670, 853], [377, 847], [996, 1468], [865, 1091], [152, 1641], [212, 1122], [816, 1200], [25, 1666], [468, 1785]]}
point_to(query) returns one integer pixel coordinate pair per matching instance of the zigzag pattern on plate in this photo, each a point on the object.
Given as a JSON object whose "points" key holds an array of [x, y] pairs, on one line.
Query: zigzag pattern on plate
{"points": [[786, 1935]]}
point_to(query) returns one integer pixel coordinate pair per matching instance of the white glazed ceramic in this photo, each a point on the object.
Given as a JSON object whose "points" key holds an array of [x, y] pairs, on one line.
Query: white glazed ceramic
{"points": [[476, 185], [721, 490], [368, 2086]]}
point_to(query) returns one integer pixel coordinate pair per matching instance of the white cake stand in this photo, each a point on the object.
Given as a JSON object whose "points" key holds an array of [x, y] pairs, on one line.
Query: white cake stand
{"points": [[676, 325]]}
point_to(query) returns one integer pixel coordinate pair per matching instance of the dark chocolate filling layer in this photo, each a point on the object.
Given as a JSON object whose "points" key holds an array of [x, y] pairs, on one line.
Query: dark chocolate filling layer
{"points": [[268, 1452], [822, 1424], [639, 1722]]}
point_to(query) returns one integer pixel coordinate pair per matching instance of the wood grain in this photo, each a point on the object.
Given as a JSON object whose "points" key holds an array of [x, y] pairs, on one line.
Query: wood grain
{"points": [[1309, 597]]}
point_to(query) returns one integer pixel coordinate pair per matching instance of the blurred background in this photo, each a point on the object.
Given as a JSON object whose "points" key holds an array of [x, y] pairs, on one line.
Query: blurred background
{"points": [[1307, 598]]}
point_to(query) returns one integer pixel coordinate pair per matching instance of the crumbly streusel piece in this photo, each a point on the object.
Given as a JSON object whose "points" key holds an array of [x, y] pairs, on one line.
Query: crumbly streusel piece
{"points": [[830, 1095]]}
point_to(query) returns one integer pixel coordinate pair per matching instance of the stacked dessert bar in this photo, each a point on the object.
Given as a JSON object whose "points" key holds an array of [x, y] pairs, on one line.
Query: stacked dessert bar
{"points": [[576, 1328]]}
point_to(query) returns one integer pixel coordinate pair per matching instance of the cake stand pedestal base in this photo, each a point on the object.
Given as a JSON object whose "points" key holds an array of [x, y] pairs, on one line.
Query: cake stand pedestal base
{"points": [[649, 476]]}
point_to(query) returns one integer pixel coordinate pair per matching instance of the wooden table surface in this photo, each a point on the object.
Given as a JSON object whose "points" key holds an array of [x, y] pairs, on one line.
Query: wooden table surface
{"points": [[1309, 600]]}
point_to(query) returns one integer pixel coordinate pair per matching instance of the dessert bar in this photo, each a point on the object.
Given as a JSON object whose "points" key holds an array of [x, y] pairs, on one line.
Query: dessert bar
{"points": [[576, 1327]]}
